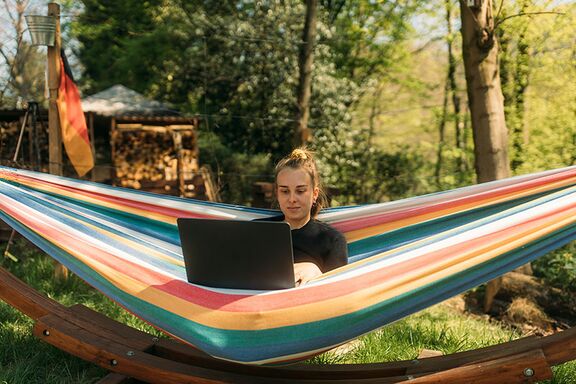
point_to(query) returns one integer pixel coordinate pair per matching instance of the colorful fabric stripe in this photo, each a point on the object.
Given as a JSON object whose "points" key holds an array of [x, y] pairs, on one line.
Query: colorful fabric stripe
{"points": [[404, 256], [72, 122]]}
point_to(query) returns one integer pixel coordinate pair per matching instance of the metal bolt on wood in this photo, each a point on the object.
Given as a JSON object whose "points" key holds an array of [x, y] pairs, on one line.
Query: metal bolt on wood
{"points": [[528, 372], [46, 332], [130, 353], [113, 362]]}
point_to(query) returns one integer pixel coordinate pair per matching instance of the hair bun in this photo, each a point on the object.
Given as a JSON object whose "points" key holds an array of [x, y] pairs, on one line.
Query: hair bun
{"points": [[299, 153]]}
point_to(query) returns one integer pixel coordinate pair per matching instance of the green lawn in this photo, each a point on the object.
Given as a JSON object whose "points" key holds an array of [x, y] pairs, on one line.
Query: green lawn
{"points": [[24, 359]]}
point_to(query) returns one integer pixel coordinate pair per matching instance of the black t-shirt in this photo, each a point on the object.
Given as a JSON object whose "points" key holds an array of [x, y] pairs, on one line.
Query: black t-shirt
{"points": [[319, 243]]}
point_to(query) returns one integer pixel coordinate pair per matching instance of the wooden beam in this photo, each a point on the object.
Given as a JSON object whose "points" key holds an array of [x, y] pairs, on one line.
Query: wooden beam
{"points": [[92, 143], [54, 134], [115, 378], [527, 367]]}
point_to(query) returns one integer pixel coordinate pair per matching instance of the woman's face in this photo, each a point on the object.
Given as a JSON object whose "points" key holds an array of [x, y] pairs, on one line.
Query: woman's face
{"points": [[295, 194]]}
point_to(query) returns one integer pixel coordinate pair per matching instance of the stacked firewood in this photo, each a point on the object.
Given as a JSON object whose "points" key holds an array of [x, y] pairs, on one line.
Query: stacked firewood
{"points": [[30, 144], [8, 139], [149, 158]]}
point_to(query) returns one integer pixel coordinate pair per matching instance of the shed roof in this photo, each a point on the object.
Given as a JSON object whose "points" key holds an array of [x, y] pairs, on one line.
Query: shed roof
{"points": [[119, 100]]}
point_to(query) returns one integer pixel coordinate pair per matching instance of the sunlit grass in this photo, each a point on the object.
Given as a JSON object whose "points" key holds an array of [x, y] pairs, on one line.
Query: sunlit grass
{"points": [[24, 358], [438, 328]]}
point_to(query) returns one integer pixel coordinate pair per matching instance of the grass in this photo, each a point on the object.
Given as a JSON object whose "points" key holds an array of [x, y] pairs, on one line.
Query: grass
{"points": [[25, 359]]}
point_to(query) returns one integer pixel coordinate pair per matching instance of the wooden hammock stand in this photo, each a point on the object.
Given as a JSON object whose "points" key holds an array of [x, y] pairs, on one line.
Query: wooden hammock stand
{"points": [[135, 356]]}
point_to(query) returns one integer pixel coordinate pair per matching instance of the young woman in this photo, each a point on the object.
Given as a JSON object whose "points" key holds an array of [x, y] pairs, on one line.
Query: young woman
{"points": [[318, 248]]}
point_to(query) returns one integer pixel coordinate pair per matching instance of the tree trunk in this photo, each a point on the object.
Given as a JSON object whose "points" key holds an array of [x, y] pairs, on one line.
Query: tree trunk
{"points": [[480, 50], [302, 132], [458, 124], [441, 136], [449, 88], [522, 75]]}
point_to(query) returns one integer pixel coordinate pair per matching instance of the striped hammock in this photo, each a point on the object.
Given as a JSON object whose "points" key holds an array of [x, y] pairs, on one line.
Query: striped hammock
{"points": [[404, 256]]}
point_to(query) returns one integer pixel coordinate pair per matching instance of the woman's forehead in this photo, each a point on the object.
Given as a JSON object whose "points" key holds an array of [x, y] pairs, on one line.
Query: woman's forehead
{"points": [[293, 176]]}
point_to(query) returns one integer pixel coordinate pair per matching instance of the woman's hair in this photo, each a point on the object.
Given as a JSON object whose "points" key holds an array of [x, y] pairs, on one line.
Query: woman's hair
{"points": [[302, 158]]}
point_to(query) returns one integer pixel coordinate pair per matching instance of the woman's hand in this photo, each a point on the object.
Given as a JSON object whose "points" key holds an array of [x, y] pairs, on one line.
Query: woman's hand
{"points": [[304, 272]]}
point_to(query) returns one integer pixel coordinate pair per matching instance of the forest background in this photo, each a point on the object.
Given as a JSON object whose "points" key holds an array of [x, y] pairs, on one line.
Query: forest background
{"points": [[389, 112]]}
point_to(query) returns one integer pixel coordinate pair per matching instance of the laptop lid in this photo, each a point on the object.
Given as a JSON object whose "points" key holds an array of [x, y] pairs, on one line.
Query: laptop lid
{"points": [[237, 254]]}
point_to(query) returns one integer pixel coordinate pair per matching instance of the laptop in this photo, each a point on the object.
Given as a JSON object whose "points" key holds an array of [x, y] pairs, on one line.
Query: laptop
{"points": [[237, 254]]}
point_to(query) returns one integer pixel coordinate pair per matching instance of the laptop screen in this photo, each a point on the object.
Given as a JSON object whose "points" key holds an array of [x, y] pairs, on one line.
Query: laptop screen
{"points": [[237, 254]]}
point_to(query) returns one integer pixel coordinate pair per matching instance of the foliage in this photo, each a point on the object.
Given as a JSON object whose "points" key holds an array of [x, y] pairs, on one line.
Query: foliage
{"points": [[365, 35], [235, 64], [209, 59], [235, 172], [537, 65], [359, 174], [558, 268]]}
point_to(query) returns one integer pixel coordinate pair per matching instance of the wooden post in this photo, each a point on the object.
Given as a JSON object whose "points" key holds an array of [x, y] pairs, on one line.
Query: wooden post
{"points": [[54, 134], [113, 138], [177, 141], [92, 143]]}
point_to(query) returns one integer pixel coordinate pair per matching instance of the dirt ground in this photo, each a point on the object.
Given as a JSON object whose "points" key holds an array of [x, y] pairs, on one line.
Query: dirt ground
{"points": [[524, 303]]}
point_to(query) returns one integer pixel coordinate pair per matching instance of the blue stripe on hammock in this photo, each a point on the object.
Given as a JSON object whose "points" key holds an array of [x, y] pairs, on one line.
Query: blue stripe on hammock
{"points": [[115, 189], [448, 226], [148, 227], [61, 216]]}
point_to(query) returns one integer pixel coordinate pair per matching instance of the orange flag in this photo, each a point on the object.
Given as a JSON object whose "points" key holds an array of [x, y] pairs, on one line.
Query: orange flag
{"points": [[72, 121]]}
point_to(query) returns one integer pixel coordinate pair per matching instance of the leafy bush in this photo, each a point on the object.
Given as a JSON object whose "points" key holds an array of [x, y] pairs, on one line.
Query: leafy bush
{"points": [[235, 172], [558, 267]]}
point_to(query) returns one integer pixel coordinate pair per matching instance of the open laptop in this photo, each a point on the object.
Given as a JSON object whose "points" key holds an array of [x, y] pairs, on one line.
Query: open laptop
{"points": [[237, 254]]}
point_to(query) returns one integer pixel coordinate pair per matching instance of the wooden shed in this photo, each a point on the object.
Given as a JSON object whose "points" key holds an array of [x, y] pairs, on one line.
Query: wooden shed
{"points": [[145, 144]]}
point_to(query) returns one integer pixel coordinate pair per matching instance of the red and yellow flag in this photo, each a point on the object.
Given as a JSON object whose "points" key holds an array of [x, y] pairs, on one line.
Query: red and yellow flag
{"points": [[72, 121]]}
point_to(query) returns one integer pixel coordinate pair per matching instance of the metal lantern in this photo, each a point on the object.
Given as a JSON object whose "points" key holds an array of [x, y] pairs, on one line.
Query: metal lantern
{"points": [[42, 29]]}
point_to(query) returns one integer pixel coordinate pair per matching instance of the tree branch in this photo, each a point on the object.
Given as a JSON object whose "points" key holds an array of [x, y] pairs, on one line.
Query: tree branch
{"points": [[499, 9], [5, 56], [527, 14], [7, 6]]}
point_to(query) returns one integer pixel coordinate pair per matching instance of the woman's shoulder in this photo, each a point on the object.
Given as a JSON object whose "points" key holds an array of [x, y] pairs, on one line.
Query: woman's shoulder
{"points": [[327, 229]]}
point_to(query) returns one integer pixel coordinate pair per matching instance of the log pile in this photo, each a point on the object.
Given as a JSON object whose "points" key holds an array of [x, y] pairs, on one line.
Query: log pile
{"points": [[27, 157], [161, 159]]}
